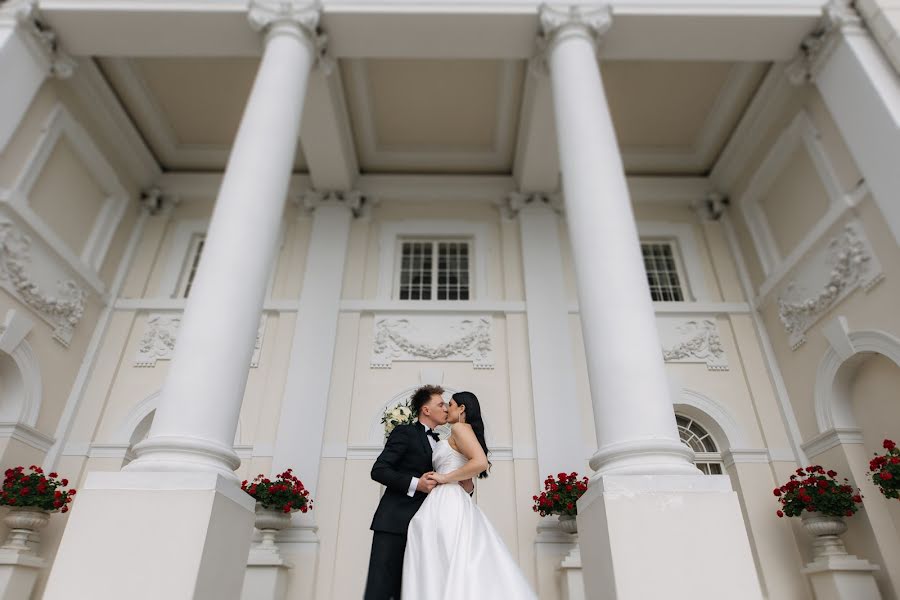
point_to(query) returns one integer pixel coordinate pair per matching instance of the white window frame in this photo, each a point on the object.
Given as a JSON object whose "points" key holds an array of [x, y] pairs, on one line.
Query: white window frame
{"points": [[393, 232], [801, 133], [186, 231], [688, 259], [403, 239], [61, 124], [704, 457]]}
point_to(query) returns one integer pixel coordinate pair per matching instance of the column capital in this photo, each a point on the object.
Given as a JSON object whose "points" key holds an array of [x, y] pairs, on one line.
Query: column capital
{"points": [[42, 40], [155, 200], [837, 16], [269, 16], [517, 202], [712, 207], [353, 200], [558, 22]]}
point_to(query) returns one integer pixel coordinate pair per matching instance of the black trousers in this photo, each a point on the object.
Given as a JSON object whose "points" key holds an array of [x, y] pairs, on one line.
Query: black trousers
{"points": [[385, 566]]}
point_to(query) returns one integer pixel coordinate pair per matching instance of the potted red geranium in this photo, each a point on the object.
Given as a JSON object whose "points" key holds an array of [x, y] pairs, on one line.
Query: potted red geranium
{"points": [[884, 470], [560, 497], [31, 498], [821, 501], [276, 499]]}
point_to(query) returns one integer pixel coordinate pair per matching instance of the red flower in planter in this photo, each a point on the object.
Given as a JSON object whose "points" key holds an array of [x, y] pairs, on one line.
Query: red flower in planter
{"points": [[816, 490], [560, 495], [286, 493], [884, 470], [35, 489]]}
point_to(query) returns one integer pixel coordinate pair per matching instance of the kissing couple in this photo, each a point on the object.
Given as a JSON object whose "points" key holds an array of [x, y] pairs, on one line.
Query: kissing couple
{"points": [[430, 539]]}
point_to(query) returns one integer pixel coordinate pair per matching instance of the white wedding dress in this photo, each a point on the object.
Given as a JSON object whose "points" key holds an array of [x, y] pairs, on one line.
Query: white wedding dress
{"points": [[452, 550]]}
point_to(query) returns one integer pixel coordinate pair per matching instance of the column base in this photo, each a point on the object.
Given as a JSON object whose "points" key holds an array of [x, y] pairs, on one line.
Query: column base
{"points": [[18, 574], [673, 537], [843, 578], [154, 535]]}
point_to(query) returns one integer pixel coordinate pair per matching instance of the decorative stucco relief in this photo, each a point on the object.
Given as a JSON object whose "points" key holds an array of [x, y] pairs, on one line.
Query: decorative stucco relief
{"points": [[20, 274], [161, 333], [847, 263], [433, 337], [692, 341]]}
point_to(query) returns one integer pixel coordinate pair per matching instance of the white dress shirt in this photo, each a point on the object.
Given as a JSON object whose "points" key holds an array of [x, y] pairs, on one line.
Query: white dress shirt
{"points": [[414, 482]]}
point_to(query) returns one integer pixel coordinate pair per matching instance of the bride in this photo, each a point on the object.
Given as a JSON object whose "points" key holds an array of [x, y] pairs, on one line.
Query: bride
{"points": [[452, 551]]}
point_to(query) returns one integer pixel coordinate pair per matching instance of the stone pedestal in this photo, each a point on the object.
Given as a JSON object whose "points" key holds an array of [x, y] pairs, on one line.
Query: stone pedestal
{"points": [[665, 536], [18, 574], [266, 577], [571, 576], [187, 529], [842, 578]]}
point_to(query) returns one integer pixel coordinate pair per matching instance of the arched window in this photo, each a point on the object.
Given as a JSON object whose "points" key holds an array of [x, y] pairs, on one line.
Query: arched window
{"points": [[707, 456]]}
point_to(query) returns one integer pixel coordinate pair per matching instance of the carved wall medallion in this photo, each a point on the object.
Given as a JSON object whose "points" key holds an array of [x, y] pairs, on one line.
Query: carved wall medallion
{"points": [[847, 263], [161, 333], [693, 341], [19, 276], [433, 337]]}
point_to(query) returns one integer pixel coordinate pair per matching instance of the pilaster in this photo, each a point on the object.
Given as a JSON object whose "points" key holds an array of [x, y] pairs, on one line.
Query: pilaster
{"points": [[29, 52]]}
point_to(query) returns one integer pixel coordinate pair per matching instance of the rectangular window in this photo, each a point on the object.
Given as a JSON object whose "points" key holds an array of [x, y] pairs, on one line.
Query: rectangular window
{"points": [[192, 261], [434, 270], [663, 272]]}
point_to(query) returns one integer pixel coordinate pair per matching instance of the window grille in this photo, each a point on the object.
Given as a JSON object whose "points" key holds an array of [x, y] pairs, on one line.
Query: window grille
{"points": [[434, 270], [707, 456], [663, 273], [195, 250]]}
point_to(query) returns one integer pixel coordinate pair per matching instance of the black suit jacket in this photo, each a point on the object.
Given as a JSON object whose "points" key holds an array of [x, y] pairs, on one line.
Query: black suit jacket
{"points": [[406, 454]]}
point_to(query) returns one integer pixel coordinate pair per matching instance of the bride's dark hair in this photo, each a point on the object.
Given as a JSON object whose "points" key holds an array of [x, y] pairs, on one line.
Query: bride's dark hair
{"points": [[473, 418]]}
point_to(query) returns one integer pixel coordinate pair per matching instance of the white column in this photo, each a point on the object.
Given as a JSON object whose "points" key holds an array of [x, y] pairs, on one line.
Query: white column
{"points": [[181, 493], [549, 340], [194, 426], [647, 509], [636, 429], [28, 54], [304, 403], [862, 91]]}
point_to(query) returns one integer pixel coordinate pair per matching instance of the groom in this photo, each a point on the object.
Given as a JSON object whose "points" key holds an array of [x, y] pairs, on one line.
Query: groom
{"points": [[404, 468]]}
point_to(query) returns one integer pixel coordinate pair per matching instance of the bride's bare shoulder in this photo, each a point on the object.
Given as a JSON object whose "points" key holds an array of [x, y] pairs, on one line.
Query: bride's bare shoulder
{"points": [[460, 427]]}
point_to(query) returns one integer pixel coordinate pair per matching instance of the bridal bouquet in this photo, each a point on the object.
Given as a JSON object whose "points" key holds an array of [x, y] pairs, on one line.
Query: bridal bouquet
{"points": [[560, 495], [285, 492], [816, 490], [885, 470], [35, 489], [399, 414]]}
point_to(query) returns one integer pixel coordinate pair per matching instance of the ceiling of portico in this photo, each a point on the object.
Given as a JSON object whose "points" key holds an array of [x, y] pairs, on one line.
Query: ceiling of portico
{"points": [[187, 109], [440, 116]]}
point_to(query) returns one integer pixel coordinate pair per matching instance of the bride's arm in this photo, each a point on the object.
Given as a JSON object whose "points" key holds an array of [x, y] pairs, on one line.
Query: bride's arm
{"points": [[471, 449]]}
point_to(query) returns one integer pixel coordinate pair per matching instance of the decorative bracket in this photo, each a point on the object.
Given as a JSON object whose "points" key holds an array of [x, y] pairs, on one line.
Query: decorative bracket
{"points": [[837, 16], [516, 202], [45, 42], [353, 200]]}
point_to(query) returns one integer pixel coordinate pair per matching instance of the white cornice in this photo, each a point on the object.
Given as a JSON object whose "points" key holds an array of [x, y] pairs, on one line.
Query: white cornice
{"points": [[694, 30], [26, 435], [832, 439], [678, 191]]}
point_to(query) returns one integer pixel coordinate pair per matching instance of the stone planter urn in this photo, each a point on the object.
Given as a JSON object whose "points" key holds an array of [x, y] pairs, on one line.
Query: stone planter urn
{"points": [[270, 521], [24, 523], [825, 531], [568, 523]]}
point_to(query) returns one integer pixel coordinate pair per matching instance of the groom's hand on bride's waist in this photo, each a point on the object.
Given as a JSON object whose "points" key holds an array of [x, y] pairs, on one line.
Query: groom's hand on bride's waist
{"points": [[426, 483]]}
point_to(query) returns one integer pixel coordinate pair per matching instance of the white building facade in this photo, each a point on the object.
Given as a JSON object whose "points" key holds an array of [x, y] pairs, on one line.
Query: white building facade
{"points": [[234, 234]]}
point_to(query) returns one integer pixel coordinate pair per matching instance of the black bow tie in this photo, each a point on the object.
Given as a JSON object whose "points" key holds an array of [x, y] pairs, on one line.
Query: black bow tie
{"points": [[433, 434]]}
